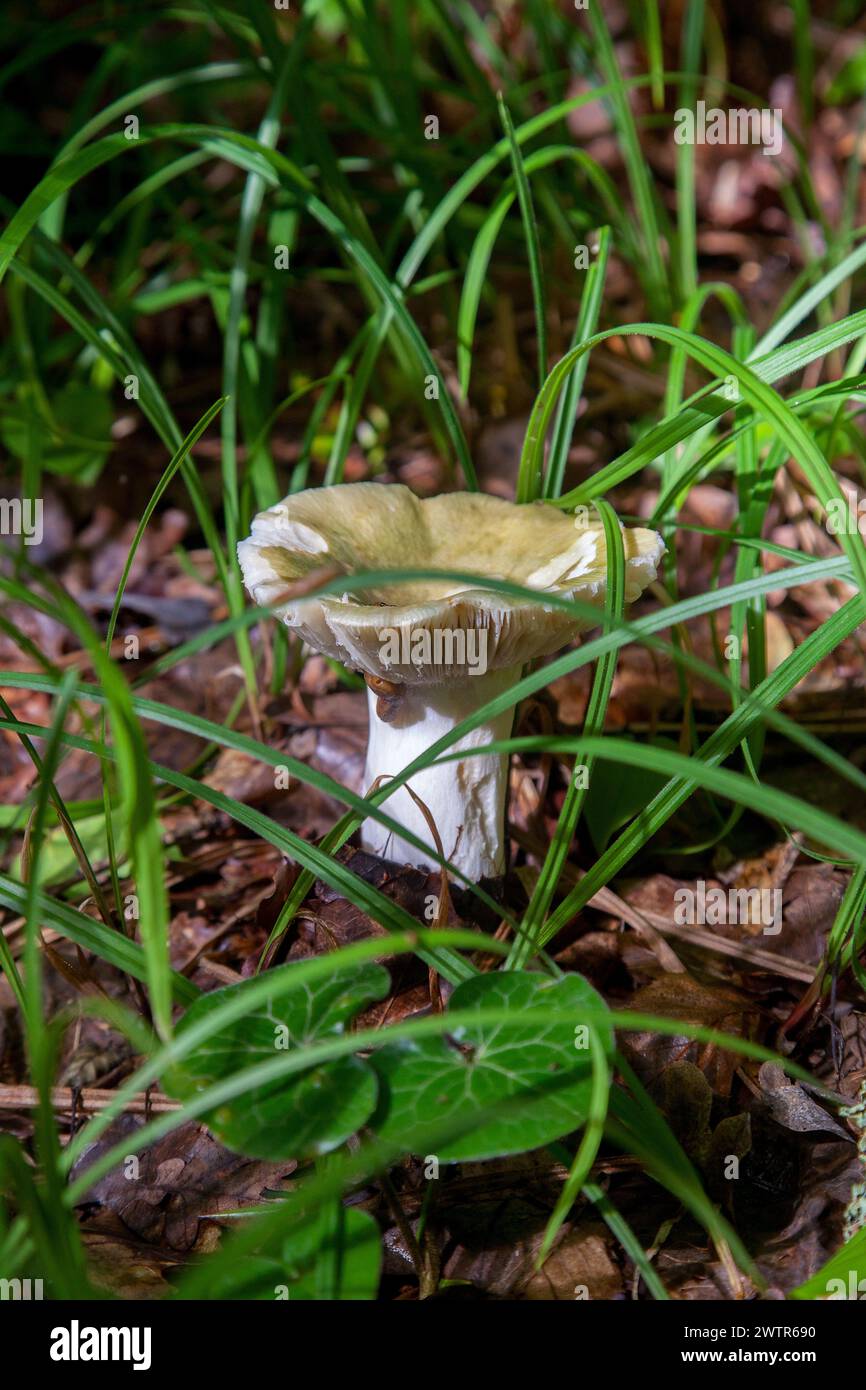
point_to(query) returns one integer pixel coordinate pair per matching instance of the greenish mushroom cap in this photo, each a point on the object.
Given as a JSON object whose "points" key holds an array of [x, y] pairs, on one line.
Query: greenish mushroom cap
{"points": [[359, 527]]}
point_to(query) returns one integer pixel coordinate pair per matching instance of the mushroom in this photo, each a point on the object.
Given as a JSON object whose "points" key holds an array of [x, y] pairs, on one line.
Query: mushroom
{"points": [[434, 651]]}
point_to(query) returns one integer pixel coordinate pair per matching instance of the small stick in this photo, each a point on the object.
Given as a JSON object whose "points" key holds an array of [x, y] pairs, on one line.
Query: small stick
{"points": [[426, 1270], [89, 1100]]}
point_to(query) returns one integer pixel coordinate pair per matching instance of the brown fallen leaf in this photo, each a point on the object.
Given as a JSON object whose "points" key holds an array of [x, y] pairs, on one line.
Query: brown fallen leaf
{"points": [[180, 1184], [791, 1106], [679, 997], [581, 1267]]}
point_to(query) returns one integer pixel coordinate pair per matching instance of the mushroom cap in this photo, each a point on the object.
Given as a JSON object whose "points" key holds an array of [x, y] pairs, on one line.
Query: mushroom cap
{"points": [[355, 527]]}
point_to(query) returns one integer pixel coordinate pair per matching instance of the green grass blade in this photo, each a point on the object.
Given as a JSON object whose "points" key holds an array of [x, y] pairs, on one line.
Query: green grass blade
{"points": [[530, 232], [554, 862], [587, 322]]}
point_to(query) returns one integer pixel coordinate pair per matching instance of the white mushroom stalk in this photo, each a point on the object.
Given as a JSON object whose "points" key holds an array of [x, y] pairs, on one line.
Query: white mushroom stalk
{"points": [[434, 652]]}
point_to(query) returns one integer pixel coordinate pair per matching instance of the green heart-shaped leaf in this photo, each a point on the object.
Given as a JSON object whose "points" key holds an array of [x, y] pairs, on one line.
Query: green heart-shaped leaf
{"points": [[307, 1113], [526, 1081]]}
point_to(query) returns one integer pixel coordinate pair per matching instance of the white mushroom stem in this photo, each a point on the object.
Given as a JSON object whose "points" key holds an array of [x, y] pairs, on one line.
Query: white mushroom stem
{"points": [[466, 798]]}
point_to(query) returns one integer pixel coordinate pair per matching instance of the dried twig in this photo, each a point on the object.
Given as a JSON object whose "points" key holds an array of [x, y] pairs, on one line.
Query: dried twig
{"points": [[88, 1100]]}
